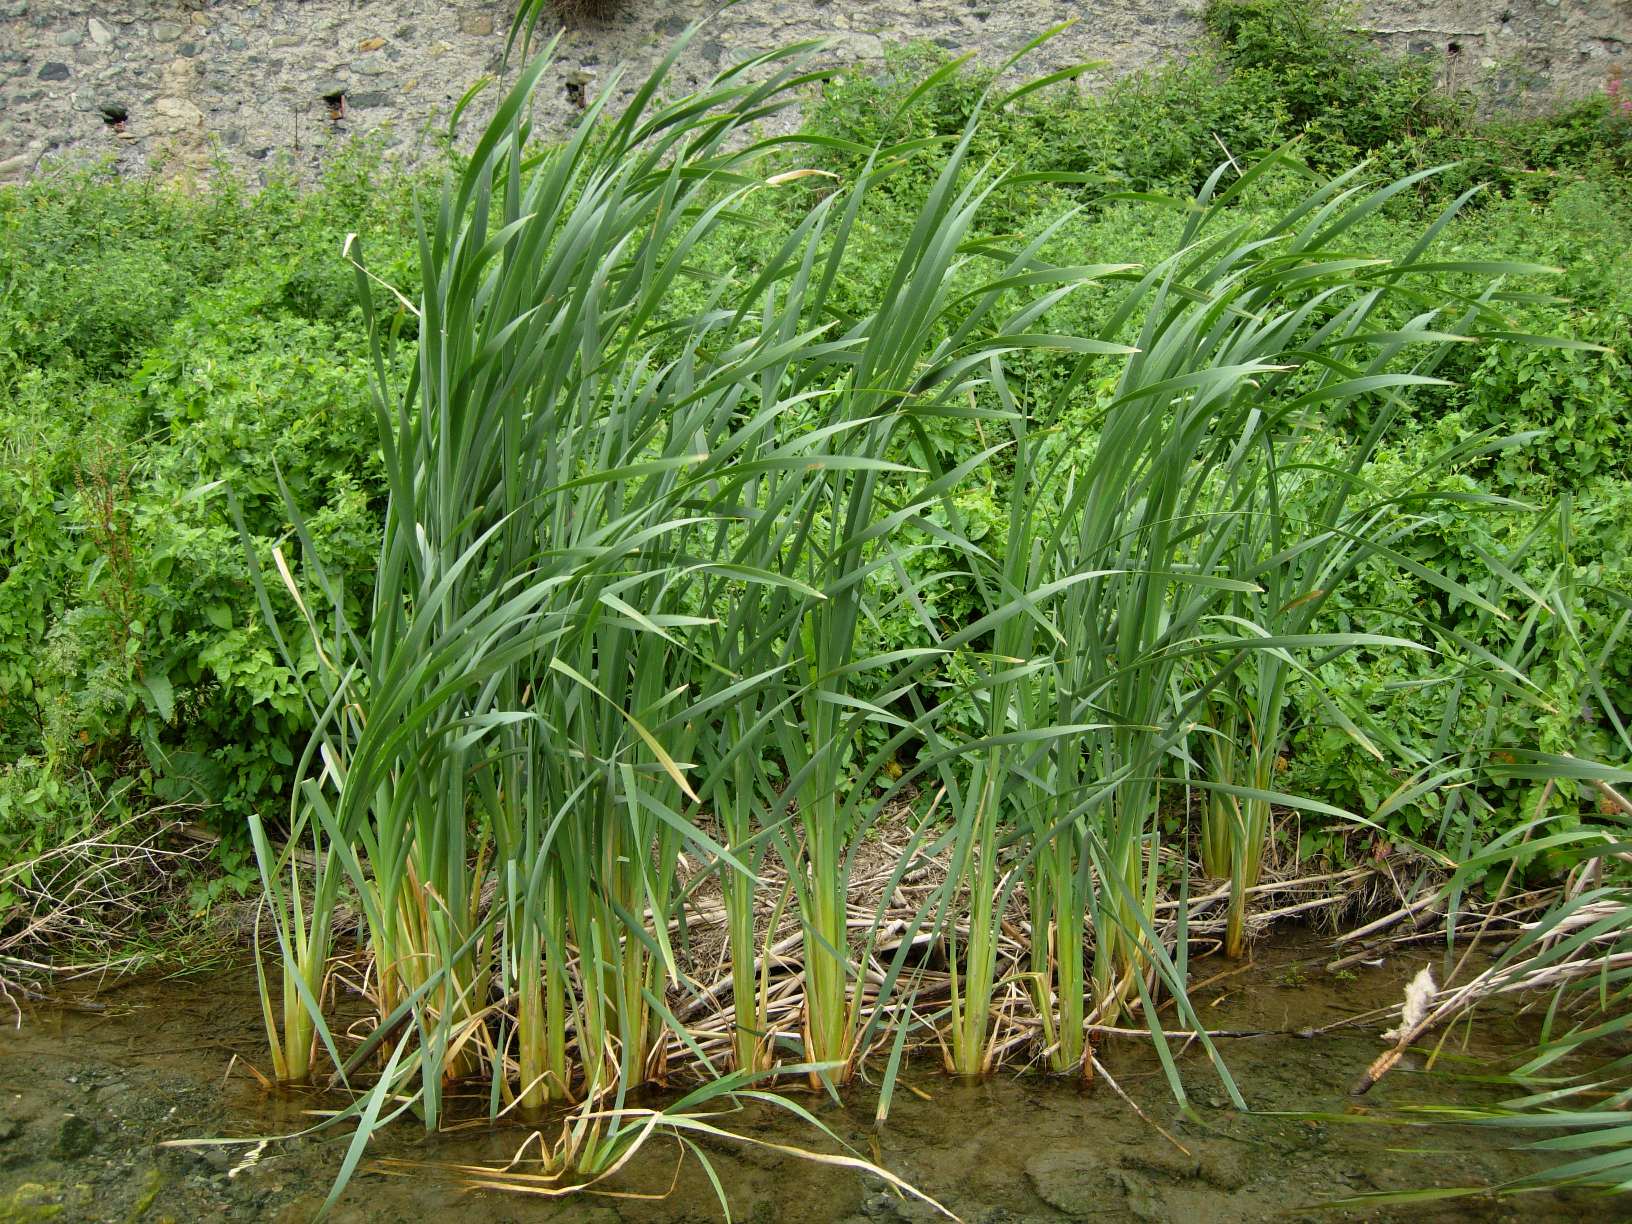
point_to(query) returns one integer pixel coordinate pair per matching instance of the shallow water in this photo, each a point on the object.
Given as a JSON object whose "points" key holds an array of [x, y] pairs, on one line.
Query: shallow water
{"points": [[88, 1088]]}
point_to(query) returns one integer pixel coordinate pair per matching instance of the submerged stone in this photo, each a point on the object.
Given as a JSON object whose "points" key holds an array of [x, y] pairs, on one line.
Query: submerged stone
{"points": [[1075, 1182], [76, 1137], [29, 1203]]}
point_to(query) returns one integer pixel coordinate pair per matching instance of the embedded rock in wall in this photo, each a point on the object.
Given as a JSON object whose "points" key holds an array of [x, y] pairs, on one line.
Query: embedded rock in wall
{"points": [[167, 85], [1513, 52]]}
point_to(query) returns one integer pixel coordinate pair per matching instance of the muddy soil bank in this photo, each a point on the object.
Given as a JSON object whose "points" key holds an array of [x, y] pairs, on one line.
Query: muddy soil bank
{"points": [[90, 1088]]}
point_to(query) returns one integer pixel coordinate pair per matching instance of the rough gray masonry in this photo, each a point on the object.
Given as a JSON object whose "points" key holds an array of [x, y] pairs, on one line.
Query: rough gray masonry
{"points": [[165, 86]]}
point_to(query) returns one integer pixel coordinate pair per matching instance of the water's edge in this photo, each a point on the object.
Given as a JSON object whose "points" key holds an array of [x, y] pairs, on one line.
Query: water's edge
{"points": [[90, 1086]]}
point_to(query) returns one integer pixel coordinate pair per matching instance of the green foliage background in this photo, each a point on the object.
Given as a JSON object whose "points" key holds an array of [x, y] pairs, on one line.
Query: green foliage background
{"points": [[155, 346]]}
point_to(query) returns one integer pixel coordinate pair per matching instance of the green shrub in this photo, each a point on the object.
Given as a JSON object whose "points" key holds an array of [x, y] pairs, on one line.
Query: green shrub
{"points": [[1332, 85], [154, 348]]}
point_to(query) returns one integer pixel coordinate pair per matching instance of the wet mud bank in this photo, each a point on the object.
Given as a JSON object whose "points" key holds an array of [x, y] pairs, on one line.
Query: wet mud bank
{"points": [[92, 1085]]}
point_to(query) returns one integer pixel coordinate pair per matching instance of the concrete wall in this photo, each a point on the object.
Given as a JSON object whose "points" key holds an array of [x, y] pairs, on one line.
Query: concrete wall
{"points": [[165, 85]]}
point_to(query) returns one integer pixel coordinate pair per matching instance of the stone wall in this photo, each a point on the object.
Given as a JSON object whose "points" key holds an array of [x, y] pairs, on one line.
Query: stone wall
{"points": [[164, 86]]}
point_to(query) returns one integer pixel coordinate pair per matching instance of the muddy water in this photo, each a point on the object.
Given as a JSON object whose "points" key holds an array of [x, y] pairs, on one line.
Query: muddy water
{"points": [[89, 1089]]}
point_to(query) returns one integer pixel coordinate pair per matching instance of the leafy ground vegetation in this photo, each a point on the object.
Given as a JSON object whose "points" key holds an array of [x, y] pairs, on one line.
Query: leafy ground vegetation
{"points": [[1036, 486]]}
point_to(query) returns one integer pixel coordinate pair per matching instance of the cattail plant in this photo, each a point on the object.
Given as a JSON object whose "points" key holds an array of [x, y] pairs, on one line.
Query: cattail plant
{"points": [[643, 510], [1309, 521]]}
